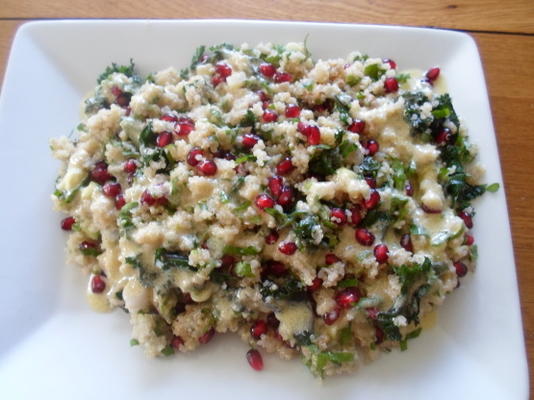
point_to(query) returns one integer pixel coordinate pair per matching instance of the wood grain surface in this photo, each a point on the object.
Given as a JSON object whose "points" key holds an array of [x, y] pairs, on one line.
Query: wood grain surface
{"points": [[504, 32]]}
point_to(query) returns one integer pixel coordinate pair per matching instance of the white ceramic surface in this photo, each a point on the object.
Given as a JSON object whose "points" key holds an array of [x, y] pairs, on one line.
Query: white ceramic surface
{"points": [[53, 346]]}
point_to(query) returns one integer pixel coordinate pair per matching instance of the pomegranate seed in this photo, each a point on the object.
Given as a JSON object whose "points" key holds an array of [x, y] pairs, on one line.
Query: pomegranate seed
{"points": [[169, 118], [314, 135], [276, 268], [281, 77], [285, 166], [249, 140], [223, 69], [381, 253], [373, 200], [364, 237], [112, 189], [286, 196], [372, 147], [216, 79], [338, 216], [264, 201], [371, 182], [292, 111], [267, 69], [123, 100], [208, 167], [391, 85], [331, 258], [409, 189], [331, 316], [269, 116], [429, 210], [100, 173], [272, 237], [316, 284], [372, 312], [205, 338], [254, 359], [149, 200], [461, 269], [356, 215], [443, 137], [432, 74], [195, 156], [357, 126], [177, 342], [263, 96], [116, 91], [258, 328], [227, 261], [406, 242], [119, 201], [272, 321], [98, 285], [130, 166], [348, 297], [275, 184], [392, 64], [184, 128], [469, 240], [287, 248], [379, 334], [467, 218], [302, 128], [66, 223], [164, 139]]}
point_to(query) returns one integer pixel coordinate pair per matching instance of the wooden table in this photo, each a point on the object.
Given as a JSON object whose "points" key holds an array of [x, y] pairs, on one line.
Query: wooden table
{"points": [[504, 32]]}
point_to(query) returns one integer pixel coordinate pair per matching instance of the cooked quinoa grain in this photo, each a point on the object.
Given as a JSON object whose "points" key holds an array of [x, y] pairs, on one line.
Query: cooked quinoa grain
{"points": [[315, 208]]}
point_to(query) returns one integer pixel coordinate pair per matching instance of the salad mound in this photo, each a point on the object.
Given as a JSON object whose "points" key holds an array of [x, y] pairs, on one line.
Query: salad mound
{"points": [[315, 208]]}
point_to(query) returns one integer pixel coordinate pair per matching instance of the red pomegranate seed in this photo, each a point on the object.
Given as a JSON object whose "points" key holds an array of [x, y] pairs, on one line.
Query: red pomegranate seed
{"points": [[223, 69], [100, 173], [364, 237], [331, 258], [467, 218], [227, 261], [316, 284], [98, 285], [443, 136], [169, 118], [267, 70], [272, 237], [249, 140], [208, 167], [391, 85], [66, 223], [285, 166], [356, 215], [292, 111], [258, 328], [275, 184], [406, 242], [272, 321], [302, 128], [205, 338], [331, 316], [348, 297], [164, 139], [409, 189], [286, 196], [130, 166], [379, 334], [432, 74], [391, 63], [381, 253], [184, 128], [287, 248], [373, 200], [461, 269], [123, 100], [429, 210], [177, 342], [254, 359], [280, 77], [116, 91], [371, 182], [314, 135], [469, 240], [147, 198], [275, 268], [194, 156], [372, 312], [216, 79], [119, 201], [264, 201], [269, 116], [111, 189], [357, 126], [372, 147], [338, 216]]}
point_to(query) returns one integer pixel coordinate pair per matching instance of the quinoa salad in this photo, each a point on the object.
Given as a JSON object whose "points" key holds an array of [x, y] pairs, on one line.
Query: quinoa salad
{"points": [[317, 209]]}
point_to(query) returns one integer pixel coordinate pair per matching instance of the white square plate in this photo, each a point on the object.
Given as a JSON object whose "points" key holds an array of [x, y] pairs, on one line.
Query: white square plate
{"points": [[53, 346]]}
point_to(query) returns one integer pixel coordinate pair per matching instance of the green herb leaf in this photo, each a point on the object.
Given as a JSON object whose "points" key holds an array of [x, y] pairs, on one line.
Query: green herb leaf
{"points": [[127, 70], [167, 351], [374, 71], [245, 158], [165, 259], [493, 187], [243, 270], [241, 251], [134, 342], [345, 283]]}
